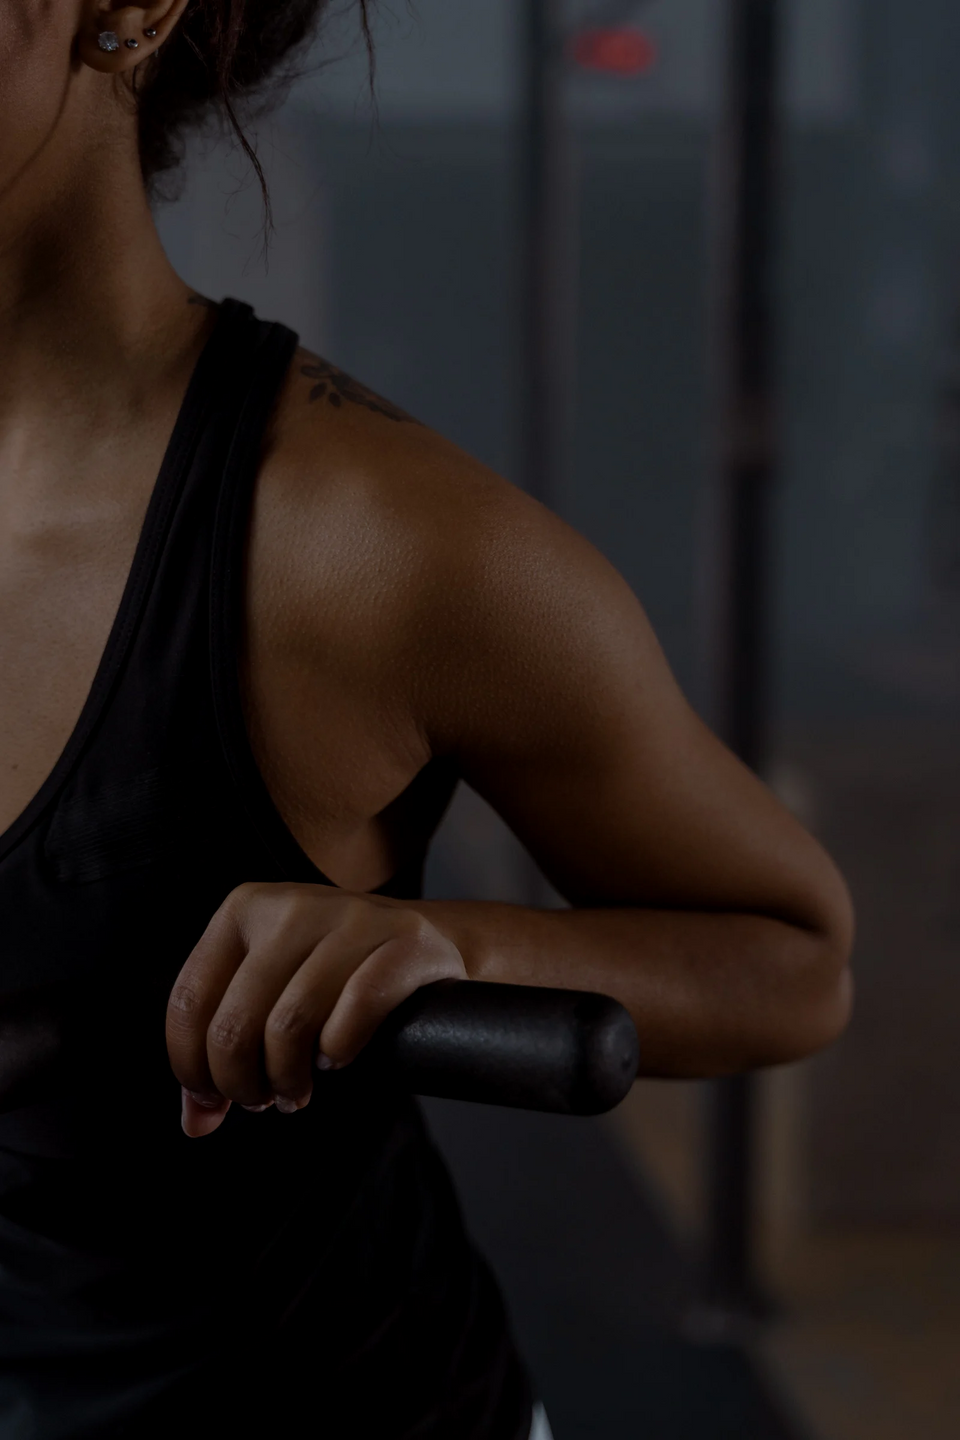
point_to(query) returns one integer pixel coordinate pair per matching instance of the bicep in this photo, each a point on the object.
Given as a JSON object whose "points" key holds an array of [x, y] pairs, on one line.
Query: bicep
{"points": [[560, 708]]}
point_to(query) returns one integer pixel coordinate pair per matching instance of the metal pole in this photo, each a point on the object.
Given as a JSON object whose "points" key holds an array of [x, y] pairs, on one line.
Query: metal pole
{"points": [[748, 184], [748, 456], [546, 220], [548, 226]]}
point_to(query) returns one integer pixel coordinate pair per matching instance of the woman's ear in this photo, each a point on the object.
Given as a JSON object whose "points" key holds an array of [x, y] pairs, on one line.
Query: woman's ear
{"points": [[115, 38]]}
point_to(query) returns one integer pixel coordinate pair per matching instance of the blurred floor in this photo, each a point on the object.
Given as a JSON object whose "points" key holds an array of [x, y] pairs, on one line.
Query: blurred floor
{"points": [[869, 1344], [880, 1137], [596, 1286]]}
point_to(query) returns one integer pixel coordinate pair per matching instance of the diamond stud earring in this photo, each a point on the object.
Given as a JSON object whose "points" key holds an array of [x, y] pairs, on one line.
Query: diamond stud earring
{"points": [[132, 44], [150, 34], [108, 41]]}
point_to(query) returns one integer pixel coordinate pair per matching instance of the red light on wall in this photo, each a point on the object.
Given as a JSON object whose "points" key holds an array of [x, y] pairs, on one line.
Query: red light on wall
{"points": [[617, 50]]}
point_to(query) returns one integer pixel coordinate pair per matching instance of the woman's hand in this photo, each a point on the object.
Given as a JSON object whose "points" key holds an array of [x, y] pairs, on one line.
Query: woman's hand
{"points": [[286, 977]]}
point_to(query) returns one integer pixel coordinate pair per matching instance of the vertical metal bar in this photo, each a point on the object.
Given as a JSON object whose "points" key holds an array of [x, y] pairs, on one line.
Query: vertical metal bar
{"points": [[548, 226], [545, 228], [748, 459]]}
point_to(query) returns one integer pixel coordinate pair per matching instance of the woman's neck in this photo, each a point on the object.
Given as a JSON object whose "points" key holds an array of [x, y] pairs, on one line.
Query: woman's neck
{"points": [[93, 319]]}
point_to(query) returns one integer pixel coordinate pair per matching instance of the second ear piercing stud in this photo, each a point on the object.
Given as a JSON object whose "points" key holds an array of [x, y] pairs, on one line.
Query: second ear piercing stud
{"points": [[110, 42]]}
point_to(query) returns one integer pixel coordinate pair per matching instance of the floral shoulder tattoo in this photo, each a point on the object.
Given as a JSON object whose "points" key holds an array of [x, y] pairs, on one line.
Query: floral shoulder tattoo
{"points": [[334, 386]]}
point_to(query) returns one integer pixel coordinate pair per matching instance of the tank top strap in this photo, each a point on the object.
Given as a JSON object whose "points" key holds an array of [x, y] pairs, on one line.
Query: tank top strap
{"points": [[265, 375]]}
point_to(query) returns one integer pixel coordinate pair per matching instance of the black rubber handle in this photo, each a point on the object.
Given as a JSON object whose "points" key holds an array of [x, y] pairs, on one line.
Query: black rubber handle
{"points": [[569, 1052]]}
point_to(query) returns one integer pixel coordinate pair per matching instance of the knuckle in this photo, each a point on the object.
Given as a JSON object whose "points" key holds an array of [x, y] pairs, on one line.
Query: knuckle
{"points": [[289, 1021], [406, 955], [184, 1002], [288, 914], [417, 945], [241, 897], [416, 929], [423, 954], [365, 987], [269, 911], [230, 1033], [371, 994], [252, 895]]}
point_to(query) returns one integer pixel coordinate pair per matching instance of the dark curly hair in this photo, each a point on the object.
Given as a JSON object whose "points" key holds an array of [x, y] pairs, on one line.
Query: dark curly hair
{"points": [[222, 55]]}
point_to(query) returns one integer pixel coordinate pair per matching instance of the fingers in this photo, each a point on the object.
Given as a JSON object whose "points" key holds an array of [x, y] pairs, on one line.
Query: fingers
{"points": [[198, 995], [393, 971], [262, 1039], [200, 1116], [343, 993], [279, 968], [293, 1025], [209, 1015], [191, 1006]]}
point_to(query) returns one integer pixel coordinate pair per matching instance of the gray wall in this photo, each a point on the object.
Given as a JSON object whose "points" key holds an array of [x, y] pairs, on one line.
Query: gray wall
{"points": [[395, 254]]}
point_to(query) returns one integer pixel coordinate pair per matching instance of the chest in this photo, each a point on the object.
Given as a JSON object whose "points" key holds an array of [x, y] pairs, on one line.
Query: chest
{"points": [[319, 740], [62, 574]]}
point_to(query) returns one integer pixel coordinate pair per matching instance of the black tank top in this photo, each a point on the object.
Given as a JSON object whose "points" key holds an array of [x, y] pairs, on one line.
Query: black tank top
{"points": [[303, 1274]]}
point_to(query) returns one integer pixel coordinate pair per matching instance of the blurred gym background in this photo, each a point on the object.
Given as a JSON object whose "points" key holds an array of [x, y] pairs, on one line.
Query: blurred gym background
{"points": [[402, 252]]}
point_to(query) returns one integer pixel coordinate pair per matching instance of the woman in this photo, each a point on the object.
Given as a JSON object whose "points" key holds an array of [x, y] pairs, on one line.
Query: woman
{"points": [[255, 623]]}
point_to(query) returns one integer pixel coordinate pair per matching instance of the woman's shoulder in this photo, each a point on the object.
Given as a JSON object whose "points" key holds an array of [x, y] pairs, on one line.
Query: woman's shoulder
{"points": [[336, 442], [363, 504], [368, 520], [411, 573]]}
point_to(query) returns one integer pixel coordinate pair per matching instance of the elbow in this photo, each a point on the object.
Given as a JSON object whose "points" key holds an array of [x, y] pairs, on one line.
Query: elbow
{"points": [[839, 933], [830, 1017], [808, 1016], [824, 991]]}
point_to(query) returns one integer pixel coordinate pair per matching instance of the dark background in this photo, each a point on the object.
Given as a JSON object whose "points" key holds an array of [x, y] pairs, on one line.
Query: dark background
{"points": [[396, 255]]}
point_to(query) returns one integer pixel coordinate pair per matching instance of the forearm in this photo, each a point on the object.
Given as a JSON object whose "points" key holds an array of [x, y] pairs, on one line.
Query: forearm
{"points": [[710, 993], [288, 977]]}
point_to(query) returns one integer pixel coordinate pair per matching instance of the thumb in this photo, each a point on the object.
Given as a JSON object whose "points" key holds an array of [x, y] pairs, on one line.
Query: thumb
{"points": [[201, 1114]]}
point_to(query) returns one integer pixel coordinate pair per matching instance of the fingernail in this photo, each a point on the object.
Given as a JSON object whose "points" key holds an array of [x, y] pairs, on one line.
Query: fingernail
{"points": [[285, 1106], [325, 1063], [212, 1110], [257, 1109], [206, 1102]]}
